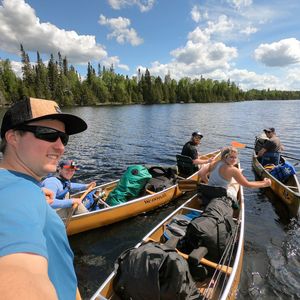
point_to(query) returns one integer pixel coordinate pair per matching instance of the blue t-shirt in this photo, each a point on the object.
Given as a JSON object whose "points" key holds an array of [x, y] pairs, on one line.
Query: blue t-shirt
{"points": [[29, 224]]}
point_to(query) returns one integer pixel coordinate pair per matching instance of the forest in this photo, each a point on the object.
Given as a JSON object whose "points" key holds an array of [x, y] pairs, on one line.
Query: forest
{"points": [[61, 82]]}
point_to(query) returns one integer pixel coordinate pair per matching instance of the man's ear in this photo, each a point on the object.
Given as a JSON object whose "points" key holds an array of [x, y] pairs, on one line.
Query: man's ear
{"points": [[12, 137]]}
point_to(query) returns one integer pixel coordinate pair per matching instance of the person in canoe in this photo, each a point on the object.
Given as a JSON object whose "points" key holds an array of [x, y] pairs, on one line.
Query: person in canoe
{"points": [[36, 261], [62, 186], [223, 173], [269, 153], [190, 149]]}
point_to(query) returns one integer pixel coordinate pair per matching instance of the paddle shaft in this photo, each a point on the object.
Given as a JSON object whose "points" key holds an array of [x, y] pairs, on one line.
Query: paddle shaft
{"points": [[75, 205], [204, 261]]}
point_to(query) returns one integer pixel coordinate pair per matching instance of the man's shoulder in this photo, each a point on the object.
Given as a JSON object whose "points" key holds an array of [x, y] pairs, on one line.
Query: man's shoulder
{"points": [[50, 180]]}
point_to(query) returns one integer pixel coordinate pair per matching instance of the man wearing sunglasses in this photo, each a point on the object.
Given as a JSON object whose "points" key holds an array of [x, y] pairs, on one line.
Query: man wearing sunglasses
{"points": [[36, 261], [269, 153], [62, 186]]}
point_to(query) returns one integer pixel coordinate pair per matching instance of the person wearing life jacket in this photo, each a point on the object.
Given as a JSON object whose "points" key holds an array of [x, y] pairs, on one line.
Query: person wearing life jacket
{"points": [[269, 153], [62, 186]]}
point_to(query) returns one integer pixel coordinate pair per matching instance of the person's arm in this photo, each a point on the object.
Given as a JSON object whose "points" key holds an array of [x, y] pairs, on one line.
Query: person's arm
{"points": [[25, 276], [199, 161], [242, 180], [261, 152]]}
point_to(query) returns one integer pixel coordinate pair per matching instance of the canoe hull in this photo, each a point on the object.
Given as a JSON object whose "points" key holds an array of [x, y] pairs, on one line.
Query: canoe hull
{"points": [[288, 193], [113, 214]]}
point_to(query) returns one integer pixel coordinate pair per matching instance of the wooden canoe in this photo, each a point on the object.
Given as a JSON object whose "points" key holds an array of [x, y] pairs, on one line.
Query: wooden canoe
{"points": [[288, 192], [224, 282], [113, 214]]}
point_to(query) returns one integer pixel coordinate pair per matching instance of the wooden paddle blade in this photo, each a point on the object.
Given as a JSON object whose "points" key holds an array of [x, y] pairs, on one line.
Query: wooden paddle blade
{"points": [[187, 185], [236, 144]]}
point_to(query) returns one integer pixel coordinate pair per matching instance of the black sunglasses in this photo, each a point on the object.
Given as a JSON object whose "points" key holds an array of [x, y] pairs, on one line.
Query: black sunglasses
{"points": [[45, 133]]}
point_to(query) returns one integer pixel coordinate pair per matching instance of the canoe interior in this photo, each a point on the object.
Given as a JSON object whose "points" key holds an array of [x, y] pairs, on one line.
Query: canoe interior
{"points": [[220, 284]]}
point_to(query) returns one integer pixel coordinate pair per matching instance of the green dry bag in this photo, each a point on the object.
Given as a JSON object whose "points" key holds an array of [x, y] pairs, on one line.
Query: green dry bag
{"points": [[130, 185]]}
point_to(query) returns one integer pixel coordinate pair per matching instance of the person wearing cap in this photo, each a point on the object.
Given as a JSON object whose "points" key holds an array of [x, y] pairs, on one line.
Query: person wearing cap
{"points": [[269, 153], [62, 186], [190, 149], [36, 261]]}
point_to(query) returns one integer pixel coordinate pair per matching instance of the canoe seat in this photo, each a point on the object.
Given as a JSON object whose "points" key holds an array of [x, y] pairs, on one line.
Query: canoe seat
{"points": [[185, 165]]}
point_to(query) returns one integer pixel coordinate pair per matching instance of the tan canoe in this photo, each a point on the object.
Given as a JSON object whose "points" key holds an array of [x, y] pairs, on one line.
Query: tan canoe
{"points": [[113, 214], [224, 282], [288, 192]]}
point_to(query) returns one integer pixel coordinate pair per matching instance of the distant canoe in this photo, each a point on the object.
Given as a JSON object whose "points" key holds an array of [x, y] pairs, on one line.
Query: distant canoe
{"points": [[113, 214], [288, 192], [224, 281]]}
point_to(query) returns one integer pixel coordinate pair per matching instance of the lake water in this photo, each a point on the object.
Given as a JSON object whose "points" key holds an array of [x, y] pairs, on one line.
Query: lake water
{"points": [[123, 135]]}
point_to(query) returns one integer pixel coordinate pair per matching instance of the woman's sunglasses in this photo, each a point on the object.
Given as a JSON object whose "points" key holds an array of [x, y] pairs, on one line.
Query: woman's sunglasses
{"points": [[45, 133]]}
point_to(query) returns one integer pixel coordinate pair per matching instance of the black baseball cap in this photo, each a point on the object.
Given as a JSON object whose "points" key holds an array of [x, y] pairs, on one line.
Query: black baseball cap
{"points": [[34, 109], [197, 133], [270, 129]]}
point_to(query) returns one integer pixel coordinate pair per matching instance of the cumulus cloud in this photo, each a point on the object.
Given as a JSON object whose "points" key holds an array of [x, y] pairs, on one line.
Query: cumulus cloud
{"points": [[121, 30], [195, 13], [144, 5], [248, 30], [279, 54], [20, 25], [238, 4]]}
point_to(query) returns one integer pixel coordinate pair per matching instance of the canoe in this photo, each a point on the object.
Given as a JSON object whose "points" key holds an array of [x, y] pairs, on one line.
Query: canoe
{"points": [[113, 214], [288, 192], [224, 281]]}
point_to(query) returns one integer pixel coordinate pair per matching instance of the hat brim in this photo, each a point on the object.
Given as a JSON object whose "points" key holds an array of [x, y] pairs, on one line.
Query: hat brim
{"points": [[73, 124]]}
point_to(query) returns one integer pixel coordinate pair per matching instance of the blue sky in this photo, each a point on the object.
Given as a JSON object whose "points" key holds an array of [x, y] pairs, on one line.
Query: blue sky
{"points": [[256, 44]]}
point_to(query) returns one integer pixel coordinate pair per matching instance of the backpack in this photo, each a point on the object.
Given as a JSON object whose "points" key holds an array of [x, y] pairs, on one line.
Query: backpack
{"points": [[161, 178], [153, 271], [212, 229], [283, 172], [130, 185]]}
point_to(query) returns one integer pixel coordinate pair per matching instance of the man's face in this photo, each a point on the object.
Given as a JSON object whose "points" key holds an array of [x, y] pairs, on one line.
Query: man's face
{"points": [[269, 134], [197, 139], [67, 173], [39, 157]]}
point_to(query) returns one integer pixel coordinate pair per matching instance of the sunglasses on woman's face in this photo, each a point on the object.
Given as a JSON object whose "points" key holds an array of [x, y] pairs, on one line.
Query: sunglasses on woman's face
{"points": [[45, 133]]}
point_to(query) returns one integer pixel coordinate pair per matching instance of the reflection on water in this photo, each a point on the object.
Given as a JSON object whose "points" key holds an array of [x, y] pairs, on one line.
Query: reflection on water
{"points": [[120, 136]]}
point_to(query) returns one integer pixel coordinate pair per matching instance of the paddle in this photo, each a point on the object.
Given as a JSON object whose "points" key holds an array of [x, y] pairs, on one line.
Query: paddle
{"points": [[203, 251], [75, 205], [240, 145]]}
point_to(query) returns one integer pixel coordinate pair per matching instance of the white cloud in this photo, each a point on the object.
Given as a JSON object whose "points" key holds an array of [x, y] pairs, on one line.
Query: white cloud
{"points": [[20, 25], [248, 30], [222, 26], [238, 4], [144, 5], [121, 30], [279, 54], [195, 13]]}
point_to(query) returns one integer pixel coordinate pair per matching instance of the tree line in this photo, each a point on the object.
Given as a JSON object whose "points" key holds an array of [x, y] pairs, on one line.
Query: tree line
{"points": [[61, 82]]}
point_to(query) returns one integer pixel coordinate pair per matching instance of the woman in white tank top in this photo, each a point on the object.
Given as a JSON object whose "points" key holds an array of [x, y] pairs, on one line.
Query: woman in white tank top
{"points": [[224, 173]]}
